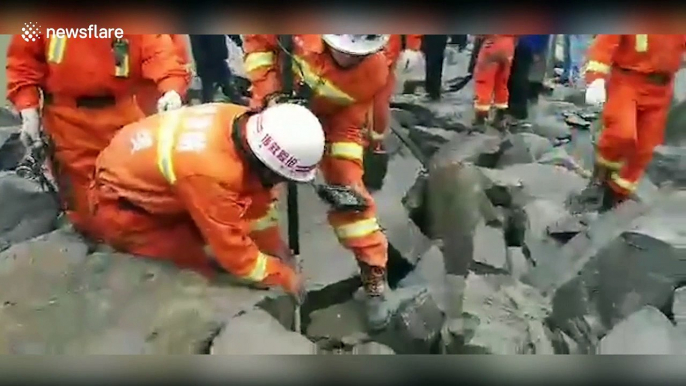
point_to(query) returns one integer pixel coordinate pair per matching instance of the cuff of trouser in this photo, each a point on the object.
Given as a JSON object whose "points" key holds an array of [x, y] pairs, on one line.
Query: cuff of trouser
{"points": [[621, 186], [612, 165]]}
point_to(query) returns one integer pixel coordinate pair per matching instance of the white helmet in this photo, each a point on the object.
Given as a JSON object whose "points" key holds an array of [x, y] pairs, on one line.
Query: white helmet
{"points": [[288, 139], [356, 44]]}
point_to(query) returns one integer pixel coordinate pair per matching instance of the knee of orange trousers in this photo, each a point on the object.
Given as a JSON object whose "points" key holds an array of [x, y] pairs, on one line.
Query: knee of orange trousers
{"points": [[616, 143], [484, 83], [501, 93], [371, 247]]}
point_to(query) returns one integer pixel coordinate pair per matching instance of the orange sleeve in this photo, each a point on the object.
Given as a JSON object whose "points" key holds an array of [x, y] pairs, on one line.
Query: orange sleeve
{"points": [[413, 42], [26, 71], [600, 55], [261, 65], [161, 65], [181, 47], [219, 215]]}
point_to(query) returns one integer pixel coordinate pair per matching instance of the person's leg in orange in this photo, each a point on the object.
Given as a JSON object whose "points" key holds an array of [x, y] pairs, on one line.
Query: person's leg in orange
{"points": [[78, 136], [653, 108], [129, 230], [360, 232], [501, 93], [484, 83]]}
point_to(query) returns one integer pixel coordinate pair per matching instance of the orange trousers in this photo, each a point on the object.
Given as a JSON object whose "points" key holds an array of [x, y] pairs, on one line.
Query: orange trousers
{"points": [[381, 112], [79, 134], [634, 119], [492, 73], [176, 239], [358, 232], [146, 97]]}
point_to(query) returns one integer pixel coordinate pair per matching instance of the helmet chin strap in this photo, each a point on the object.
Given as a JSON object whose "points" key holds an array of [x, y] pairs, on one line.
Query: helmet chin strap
{"points": [[267, 177]]}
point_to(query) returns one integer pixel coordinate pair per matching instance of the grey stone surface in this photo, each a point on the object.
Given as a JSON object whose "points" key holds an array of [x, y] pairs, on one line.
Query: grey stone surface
{"points": [[644, 332], [255, 332], [489, 247], [668, 166], [679, 309], [26, 211]]}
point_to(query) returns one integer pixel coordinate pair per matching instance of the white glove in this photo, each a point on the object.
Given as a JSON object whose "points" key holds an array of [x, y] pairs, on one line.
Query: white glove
{"points": [[410, 60], [30, 127], [171, 100], [595, 92]]}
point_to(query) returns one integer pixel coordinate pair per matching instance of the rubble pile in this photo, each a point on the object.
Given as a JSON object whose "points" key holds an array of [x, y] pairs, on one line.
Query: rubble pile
{"points": [[486, 207]]}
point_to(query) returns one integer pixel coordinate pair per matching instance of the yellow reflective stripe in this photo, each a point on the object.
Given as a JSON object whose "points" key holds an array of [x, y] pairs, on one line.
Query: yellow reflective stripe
{"points": [[482, 107], [259, 270], [357, 229], [609, 164], [346, 150], [122, 71], [625, 184], [271, 219], [56, 49], [320, 86], [500, 105], [641, 43], [165, 143], [256, 60], [595, 66]]}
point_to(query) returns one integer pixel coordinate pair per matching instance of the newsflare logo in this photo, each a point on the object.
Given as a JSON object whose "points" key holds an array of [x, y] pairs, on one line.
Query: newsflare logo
{"points": [[30, 32]]}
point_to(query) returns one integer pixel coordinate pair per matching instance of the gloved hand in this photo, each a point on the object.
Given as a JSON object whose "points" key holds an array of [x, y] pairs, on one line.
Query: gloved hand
{"points": [[30, 127], [171, 100], [294, 285], [409, 60], [595, 92]]}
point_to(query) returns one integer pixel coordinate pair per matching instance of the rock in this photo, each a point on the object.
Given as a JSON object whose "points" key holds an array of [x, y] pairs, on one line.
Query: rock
{"points": [[255, 332], [429, 140], [476, 148], [58, 300], [337, 321], [676, 119], [12, 150], [525, 148], [551, 128], [679, 309], [32, 212], [558, 156], [640, 267], [668, 165], [500, 316], [372, 348], [644, 332], [538, 216], [489, 247], [547, 181], [518, 264]]}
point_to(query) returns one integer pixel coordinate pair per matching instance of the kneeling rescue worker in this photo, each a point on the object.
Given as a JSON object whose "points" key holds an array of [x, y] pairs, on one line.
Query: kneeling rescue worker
{"points": [[635, 73], [168, 184], [339, 75], [87, 85]]}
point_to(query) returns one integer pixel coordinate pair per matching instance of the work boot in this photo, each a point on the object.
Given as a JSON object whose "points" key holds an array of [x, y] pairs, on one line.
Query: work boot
{"points": [[593, 196], [378, 308], [479, 122], [499, 121], [610, 199]]}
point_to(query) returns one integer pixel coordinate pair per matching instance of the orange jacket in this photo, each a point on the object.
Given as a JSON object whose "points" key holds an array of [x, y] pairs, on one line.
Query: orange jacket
{"points": [[199, 174], [395, 46], [148, 94], [342, 97], [647, 53], [86, 67]]}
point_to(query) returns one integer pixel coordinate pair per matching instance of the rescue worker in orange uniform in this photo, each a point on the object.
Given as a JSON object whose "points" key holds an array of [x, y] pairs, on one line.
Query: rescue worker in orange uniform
{"points": [[491, 74], [148, 94], [87, 89], [168, 184], [635, 74], [342, 73]]}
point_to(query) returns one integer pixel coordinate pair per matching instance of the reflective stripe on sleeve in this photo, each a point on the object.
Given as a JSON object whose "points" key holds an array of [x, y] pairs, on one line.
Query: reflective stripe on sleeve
{"points": [[346, 150], [56, 49], [255, 60], [166, 138], [357, 229]]}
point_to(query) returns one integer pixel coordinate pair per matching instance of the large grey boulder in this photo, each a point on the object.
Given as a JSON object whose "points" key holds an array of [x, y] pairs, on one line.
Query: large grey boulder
{"points": [[644, 332], [668, 166]]}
